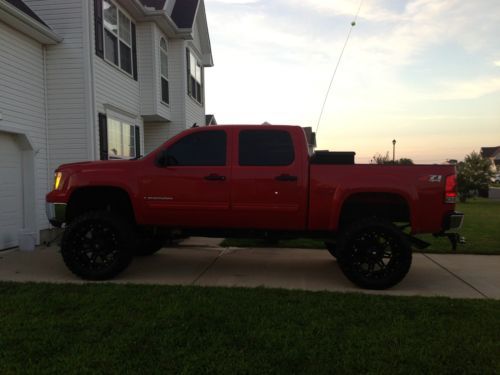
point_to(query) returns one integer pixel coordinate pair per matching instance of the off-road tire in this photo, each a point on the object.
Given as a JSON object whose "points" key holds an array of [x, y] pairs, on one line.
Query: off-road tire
{"points": [[374, 254], [98, 245]]}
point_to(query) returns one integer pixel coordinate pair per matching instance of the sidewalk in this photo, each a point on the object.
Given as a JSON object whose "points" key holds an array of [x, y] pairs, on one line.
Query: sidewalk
{"points": [[456, 276]]}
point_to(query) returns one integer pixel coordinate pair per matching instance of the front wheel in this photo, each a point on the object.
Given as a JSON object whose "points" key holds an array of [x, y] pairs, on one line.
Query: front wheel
{"points": [[374, 254], [97, 245]]}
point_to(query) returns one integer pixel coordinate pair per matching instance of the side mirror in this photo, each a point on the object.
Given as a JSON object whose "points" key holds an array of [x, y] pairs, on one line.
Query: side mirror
{"points": [[161, 158], [164, 159]]}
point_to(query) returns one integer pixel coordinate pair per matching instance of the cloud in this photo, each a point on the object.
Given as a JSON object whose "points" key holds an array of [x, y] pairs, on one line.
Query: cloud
{"points": [[467, 89], [274, 60], [370, 10]]}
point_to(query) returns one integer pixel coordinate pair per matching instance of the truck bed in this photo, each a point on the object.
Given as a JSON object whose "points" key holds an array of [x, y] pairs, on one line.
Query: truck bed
{"points": [[420, 187]]}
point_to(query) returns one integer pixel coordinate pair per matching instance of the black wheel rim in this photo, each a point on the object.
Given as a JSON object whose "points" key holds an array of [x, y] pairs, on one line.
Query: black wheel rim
{"points": [[95, 245], [375, 254]]}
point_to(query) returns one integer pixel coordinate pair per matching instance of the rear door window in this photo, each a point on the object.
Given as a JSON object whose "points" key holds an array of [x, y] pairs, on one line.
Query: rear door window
{"points": [[265, 148]]}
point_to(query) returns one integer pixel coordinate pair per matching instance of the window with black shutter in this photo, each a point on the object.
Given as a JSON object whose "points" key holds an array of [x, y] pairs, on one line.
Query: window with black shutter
{"points": [[137, 142], [99, 41], [115, 36], [165, 96], [118, 139], [195, 77], [103, 137], [122, 142]]}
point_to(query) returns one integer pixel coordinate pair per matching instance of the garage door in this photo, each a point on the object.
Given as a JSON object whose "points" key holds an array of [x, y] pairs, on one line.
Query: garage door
{"points": [[11, 191]]}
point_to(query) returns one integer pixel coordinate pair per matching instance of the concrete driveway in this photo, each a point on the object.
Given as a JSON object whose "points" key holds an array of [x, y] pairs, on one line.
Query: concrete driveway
{"points": [[456, 276]]}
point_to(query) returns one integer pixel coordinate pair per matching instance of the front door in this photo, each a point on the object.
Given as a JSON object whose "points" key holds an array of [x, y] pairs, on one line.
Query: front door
{"points": [[190, 188], [269, 187]]}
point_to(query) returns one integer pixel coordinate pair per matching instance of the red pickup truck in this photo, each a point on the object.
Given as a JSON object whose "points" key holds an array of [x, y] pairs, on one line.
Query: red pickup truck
{"points": [[258, 181]]}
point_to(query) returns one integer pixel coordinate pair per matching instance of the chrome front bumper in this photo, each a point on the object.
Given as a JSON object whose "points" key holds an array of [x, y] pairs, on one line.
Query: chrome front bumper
{"points": [[56, 213]]}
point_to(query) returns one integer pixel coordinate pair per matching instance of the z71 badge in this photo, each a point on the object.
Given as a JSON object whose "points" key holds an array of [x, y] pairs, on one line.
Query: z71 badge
{"points": [[435, 178]]}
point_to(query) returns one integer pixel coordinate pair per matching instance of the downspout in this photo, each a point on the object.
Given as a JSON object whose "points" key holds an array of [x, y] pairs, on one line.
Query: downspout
{"points": [[46, 105], [88, 72]]}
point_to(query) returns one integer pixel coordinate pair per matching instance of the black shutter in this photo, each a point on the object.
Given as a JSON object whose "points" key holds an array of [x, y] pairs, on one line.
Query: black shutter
{"points": [[202, 85], [137, 141], [99, 38], [188, 71], [103, 136], [134, 51]]}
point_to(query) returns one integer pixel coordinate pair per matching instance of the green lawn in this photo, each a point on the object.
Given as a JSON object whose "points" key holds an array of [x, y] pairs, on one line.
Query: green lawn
{"points": [[481, 230], [103, 328]]}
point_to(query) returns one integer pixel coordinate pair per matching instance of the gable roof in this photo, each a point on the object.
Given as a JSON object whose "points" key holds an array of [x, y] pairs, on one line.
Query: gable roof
{"points": [[210, 120], [490, 152], [184, 12], [180, 19], [155, 4], [19, 4]]}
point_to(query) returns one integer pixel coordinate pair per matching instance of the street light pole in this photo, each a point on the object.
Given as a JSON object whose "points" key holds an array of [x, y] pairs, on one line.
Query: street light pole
{"points": [[393, 151]]}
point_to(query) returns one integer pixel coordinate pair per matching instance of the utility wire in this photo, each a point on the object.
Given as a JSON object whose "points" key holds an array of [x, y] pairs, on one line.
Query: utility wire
{"points": [[353, 23]]}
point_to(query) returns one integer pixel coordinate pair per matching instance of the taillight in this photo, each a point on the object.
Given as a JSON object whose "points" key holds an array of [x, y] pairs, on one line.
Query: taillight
{"points": [[450, 195]]}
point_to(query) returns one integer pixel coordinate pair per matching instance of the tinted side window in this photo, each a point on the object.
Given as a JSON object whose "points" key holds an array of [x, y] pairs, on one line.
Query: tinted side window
{"points": [[202, 148], [265, 147]]}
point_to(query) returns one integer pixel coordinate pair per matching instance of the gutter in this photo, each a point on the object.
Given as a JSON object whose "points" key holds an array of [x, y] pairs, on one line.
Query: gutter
{"points": [[22, 22], [46, 108]]}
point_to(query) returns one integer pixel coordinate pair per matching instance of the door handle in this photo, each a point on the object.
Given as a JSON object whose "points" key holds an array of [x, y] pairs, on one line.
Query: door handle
{"points": [[215, 177], [286, 177]]}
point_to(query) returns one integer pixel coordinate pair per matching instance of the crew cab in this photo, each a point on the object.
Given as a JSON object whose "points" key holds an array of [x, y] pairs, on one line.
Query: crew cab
{"points": [[247, 180]]}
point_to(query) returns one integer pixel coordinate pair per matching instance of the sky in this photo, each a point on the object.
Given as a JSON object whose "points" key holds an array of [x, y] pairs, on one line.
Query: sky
{"points": [[423, 72]]}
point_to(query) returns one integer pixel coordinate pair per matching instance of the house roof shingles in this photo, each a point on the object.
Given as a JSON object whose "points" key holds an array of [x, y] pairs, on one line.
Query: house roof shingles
{"points": [[155, 4], [19, 4], [184, 12]]}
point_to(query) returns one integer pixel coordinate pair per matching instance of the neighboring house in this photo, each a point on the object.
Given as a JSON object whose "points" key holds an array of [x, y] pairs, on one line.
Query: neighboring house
{"points": [[88, 80], [493, 154]]}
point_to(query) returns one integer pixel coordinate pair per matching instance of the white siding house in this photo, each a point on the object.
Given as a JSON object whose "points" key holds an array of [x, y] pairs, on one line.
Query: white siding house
{"points": [[89, 80], [24, 172]]}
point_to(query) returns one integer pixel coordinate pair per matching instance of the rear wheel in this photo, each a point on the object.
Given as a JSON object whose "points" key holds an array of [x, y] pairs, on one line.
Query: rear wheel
{"points": [[374, 254], [97, 245]]}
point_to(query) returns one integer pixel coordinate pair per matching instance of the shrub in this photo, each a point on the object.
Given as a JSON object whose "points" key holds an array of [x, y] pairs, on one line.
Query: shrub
{"points": [[473, 174]]}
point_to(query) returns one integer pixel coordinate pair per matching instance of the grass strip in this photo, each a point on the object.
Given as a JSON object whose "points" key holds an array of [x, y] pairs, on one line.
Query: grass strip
{"points": [[104, 328]]}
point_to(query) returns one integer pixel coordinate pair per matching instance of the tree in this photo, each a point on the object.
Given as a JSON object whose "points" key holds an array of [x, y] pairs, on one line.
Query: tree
{"points": [[473, 174], [385, 159], [405, 161], [382, 159]]}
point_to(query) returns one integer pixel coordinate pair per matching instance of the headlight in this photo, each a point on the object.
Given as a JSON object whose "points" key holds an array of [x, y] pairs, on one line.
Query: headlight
{"points": [[57, 180]]}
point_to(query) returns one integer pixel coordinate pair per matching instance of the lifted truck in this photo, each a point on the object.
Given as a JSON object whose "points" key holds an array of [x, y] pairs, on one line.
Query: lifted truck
{"points": [[258, 181]]}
